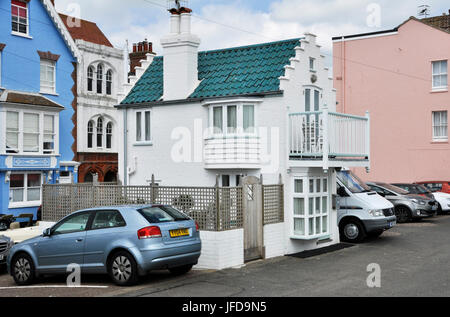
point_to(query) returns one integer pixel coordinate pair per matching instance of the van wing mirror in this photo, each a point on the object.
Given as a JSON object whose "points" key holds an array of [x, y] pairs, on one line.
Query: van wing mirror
{"points": [[342, 192]]}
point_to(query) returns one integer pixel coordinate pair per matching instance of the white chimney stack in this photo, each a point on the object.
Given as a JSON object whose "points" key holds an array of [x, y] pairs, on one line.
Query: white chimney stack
{"points": [[180, 51]]}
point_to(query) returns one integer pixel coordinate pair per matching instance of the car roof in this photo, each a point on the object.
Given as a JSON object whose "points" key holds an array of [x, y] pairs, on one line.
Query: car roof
{"points": [[121, 207]]}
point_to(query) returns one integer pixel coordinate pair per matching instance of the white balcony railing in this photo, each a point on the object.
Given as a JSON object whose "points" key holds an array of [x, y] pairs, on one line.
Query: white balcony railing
{"points": [[329, 135]]}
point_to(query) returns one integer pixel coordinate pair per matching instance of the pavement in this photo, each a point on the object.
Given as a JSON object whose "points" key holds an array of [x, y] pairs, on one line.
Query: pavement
{"points": [[414, 260]]}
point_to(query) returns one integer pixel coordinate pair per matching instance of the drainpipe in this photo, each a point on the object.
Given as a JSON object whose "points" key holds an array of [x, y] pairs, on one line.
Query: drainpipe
{"points": [[125, 147]]}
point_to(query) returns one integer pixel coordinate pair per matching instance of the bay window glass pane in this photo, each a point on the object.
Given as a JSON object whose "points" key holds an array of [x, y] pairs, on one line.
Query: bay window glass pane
{"points": [[138, 126], [49, 131], [33, 187], [147, 126], [299, 206], [12, 131], [307, 100], [17, 181], [299, 226], [249, 119], [316, 100], [318, 187], [325, 224], [218, 120], [318, 225], [298, 186], [317, 209], [325, 185], [311, 226], [311, 185], [311, 206], [33, 194], [232, 119], [324, 205], [31, 132]]}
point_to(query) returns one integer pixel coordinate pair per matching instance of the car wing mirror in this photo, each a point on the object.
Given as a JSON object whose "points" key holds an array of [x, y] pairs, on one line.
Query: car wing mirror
{"points": [[47, 232], [342, 192]]}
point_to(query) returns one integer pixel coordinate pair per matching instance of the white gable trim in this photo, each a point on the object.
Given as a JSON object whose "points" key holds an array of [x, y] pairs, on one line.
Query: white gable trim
{"points": [[62, 29]]}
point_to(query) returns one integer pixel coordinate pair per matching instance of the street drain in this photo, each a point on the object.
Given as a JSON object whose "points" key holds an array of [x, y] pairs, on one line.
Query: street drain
{"points": [[311, 253]]}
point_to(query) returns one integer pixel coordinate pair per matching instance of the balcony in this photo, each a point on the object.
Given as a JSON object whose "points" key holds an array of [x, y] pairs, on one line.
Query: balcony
{"points": [[230, 152], [329, 139]]}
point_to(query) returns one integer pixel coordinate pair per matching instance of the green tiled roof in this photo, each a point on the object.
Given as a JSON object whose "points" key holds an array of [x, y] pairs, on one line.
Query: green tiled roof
{"points": [[227, 72]]}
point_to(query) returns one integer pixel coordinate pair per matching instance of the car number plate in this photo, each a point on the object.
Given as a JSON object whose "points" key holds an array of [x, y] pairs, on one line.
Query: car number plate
{"points": [[179, 233]]}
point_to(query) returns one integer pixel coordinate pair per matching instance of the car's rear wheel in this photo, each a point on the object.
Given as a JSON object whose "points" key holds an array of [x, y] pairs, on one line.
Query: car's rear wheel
{"points": [[180, 270], [123, 269], [352, 231], [23, 270], [403, 214]]}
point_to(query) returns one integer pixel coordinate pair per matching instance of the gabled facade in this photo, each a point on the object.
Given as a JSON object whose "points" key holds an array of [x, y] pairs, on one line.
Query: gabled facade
{"points": [[401, 76], [265, 110], [100, 77], [38, 66]]}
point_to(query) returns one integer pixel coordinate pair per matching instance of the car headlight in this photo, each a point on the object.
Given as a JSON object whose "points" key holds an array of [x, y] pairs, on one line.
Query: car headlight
{"points": [[376, 213], [419, 202]]}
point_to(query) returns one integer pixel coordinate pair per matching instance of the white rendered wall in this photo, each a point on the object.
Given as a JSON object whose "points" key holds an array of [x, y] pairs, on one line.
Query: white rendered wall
{"points": [[221, 250], [275, 240]]}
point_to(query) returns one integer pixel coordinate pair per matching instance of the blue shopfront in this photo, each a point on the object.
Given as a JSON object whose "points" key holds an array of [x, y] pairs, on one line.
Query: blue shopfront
{"points": [[37, 79]]}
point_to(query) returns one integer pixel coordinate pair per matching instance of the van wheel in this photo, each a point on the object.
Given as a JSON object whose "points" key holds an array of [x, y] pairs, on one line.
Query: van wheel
{"points": [[22, 269], [123, 269], [352, 231], [403, 214]]}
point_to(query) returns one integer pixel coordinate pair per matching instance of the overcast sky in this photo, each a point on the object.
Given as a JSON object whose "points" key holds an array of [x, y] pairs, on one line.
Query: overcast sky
{"points": [[227, 23]]}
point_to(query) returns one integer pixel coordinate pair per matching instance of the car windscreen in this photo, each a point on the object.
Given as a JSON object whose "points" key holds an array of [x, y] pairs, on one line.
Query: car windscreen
{"points": [[352, 182], [394, 189], [159, 214]]}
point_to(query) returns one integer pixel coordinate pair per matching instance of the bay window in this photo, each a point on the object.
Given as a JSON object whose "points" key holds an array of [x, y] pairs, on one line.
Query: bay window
{"points": [[238, 119], [311, 208], [19, 17], [25, 188], [30, 132]]}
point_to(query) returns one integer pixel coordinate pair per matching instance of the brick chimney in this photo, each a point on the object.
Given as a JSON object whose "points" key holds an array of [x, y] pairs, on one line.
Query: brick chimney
{"points": [[140, 50], [180, 56]]}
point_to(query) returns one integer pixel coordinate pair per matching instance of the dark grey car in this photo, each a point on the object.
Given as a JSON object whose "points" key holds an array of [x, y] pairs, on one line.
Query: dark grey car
{"points": [[407, 207]]}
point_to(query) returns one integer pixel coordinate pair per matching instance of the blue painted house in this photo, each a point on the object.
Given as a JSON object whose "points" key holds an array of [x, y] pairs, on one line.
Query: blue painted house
{"points": [[37, 70]]}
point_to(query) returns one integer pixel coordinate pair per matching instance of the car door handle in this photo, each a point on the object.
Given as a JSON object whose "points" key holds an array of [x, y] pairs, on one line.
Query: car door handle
{"points": [[79, 240]]}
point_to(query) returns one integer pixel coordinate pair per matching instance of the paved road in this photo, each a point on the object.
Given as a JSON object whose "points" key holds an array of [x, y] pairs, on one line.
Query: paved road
{"points": [[414, 260]]}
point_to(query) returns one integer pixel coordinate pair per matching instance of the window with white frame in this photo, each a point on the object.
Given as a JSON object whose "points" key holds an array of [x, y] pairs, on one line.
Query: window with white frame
{"points": [[30, 132], [440, 125], [99, 132], [109, 82], [90, 134], [238, 119], [48, 76], [312, 63], [25, 188], [49, 134], [440, 73], [90, 78], [19, 16], [99, 79], [143, 126], [311, 208], [109, 133]]}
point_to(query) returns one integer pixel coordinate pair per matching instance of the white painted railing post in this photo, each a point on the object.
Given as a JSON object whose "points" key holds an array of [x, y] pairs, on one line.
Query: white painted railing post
{"points": [[368, 140], [325, 146]]}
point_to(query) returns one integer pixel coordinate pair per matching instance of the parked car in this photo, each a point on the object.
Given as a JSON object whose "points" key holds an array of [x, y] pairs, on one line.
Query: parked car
{"points": [[442, 199], [438, 186], [5, 245], [361, 211], [125, 242], [407, 206]]}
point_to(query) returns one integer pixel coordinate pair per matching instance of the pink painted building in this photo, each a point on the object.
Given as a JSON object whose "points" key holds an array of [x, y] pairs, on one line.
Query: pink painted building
{"points": [[401, 77]]}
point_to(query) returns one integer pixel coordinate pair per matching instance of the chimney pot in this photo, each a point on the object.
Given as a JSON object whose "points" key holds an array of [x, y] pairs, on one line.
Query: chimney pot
{"points": [[140, 50]]}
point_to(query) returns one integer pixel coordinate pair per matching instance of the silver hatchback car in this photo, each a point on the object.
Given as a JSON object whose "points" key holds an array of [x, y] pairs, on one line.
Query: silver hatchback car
{"points": [[126, 242]]}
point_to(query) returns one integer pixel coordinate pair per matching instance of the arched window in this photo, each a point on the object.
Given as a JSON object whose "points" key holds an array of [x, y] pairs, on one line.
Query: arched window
{"points": [[90, 78], [109, 133], [90, 133], [109, 82], [100, 132], [99, 78]]}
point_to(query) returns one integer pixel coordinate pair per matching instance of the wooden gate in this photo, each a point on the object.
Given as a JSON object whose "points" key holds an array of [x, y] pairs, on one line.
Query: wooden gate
{"points": [[253, 219]]}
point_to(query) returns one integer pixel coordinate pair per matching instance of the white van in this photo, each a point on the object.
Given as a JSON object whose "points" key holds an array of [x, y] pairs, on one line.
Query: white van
{"points": [[361, 212]]}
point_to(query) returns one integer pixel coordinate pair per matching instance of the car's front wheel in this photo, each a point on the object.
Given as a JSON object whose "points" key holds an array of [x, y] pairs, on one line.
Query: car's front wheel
{"points": [[403, 214], [352, 231], [22, 269], [123, 269]]}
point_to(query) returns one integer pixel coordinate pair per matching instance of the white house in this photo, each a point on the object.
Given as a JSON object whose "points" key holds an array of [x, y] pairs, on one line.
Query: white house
{"points": [[261, 110], [100, 79]]}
